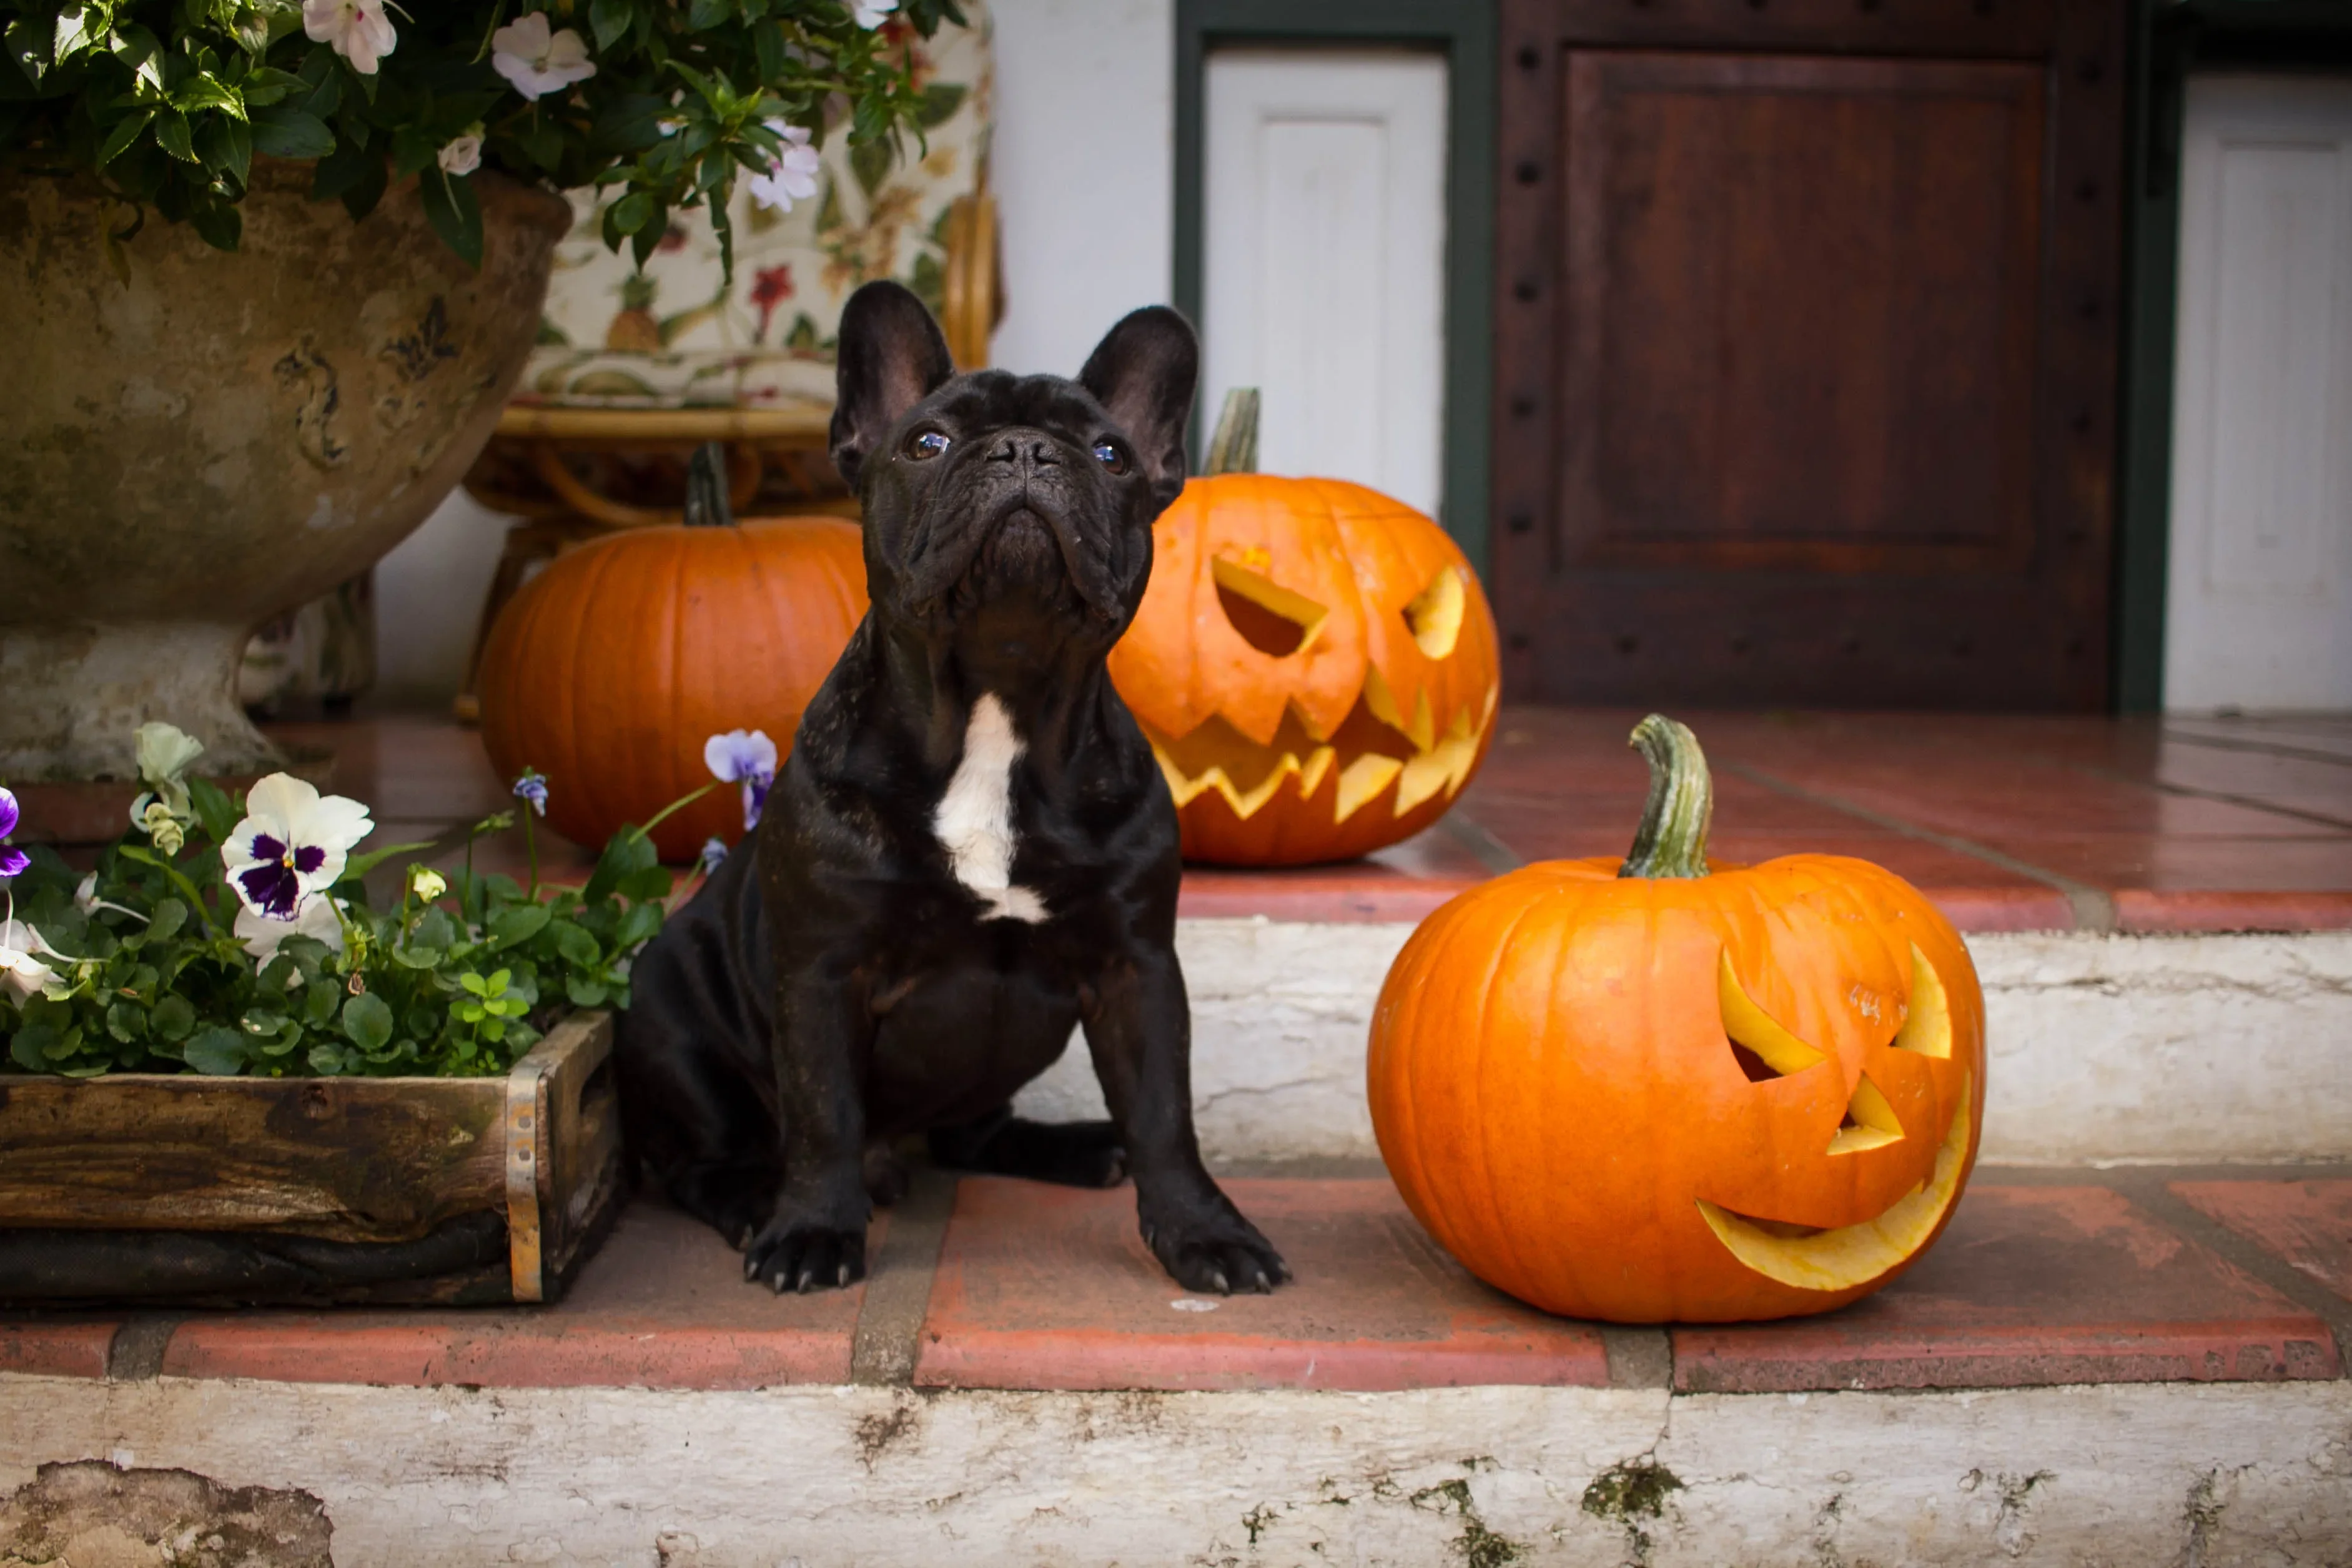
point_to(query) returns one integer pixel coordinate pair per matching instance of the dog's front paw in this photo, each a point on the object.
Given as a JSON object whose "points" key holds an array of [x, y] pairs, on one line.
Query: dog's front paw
{"points": [[796, 1254], [1219, 1252]]}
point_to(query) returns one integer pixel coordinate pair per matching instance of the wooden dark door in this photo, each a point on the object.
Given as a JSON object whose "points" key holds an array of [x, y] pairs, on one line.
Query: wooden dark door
{"points": [[1806, 341]]}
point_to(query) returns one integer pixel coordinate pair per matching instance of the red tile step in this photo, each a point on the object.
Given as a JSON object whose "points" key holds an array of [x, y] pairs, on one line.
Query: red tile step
{"points": [[2031, 1285], [1043, 1287], [664, 1305], [57, 1347], [2308, 1224]]}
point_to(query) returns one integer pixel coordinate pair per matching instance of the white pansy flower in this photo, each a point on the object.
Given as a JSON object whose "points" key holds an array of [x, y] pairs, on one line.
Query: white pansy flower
{"points": [[22, 973], [316, 919], [872, 13], [359, 29], [86, 899], [427, 883], [293, 842], [538, 60], [793, 176], [461, 154]]}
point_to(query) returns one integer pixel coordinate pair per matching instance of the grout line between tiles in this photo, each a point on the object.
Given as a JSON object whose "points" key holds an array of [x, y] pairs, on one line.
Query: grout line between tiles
{"points": [[136, 1352], [2150, 1189], [888, 1338], [1491, 852], [2195, 792], [2094, 909], [2258, 747]]}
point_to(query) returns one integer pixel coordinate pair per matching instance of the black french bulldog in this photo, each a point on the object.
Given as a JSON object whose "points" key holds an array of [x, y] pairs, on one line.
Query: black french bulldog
{"points": [[971, 849]]}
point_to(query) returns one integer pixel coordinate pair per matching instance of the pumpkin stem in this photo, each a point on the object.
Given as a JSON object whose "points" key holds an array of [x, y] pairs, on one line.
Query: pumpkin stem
{"points": [[1672, 838], [1233, 448], [706, 488]]}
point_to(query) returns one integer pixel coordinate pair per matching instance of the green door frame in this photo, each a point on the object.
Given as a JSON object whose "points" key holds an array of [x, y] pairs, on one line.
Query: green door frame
{"points": [[2169, 40], [1464, 30]]}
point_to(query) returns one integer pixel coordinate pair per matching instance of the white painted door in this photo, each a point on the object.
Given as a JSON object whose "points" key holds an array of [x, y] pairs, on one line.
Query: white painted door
{"points": [[2257, 612], [1325, 245]]}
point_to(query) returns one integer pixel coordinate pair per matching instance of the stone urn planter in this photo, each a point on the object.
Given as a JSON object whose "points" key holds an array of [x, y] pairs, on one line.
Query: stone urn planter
{"points": [[223, 436]]}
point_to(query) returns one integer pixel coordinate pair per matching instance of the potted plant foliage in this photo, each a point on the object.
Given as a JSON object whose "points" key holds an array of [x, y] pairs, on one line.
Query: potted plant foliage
{"points": [[230, 1072], [268, 270]]}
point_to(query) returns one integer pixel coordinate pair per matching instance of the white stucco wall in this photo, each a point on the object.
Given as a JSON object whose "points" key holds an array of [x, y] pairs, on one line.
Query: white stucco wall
{"points": [[1083, 161]]}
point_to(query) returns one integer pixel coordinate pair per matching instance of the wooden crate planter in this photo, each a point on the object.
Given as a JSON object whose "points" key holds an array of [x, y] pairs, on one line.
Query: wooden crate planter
{"points": [[169, 1190]]}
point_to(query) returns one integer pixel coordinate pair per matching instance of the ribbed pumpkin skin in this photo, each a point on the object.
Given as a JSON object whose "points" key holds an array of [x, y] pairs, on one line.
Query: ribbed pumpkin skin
{"points": [[609, 671], [1553, 1089], [1364, 557]]}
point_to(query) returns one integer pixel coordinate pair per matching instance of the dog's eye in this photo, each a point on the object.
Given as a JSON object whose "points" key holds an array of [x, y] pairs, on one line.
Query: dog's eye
{"points": [[926, 444], [1111, 456]]}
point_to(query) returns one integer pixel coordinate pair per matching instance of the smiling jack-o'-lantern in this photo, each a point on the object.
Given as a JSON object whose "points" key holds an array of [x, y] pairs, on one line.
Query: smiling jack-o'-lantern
{"points": [[1314, 665], [1669, 1091]]}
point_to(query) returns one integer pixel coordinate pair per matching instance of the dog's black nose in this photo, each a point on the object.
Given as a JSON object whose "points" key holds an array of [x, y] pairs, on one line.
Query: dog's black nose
{"points": [[1026, 448]]}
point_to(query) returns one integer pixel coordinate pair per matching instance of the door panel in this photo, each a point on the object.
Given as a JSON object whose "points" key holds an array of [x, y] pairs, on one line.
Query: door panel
{"points": [[1325, 247], [2257, 609], [1805, 368]]}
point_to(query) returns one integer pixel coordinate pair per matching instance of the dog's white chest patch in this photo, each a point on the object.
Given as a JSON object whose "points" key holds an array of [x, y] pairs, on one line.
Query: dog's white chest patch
{"points": [[974, 820]]}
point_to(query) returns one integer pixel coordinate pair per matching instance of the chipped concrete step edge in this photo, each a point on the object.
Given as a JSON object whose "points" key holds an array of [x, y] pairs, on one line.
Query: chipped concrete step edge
{"points": [[815, 1477], [2104, 1049]]}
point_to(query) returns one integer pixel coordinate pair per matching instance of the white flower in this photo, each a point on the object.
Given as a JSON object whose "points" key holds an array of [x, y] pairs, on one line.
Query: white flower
{"points": [[538, 61], [316, 919], [872, 13], [359, 29], [21, 973], [292, 844], [86, 899], [793, 176], [427, 883], [165, 755], [461, 154]]}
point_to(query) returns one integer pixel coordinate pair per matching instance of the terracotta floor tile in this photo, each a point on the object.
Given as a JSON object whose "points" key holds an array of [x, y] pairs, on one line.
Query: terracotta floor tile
{"points": [[57, 1347], [1042, 1287], [664, 1304], [2308, 1224], [2160, 864], [2031, 1285]]}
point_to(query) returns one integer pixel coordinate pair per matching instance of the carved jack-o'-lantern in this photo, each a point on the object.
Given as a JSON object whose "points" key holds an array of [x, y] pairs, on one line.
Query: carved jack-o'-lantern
{"points": [[1314, 665], [1670, 1091]]}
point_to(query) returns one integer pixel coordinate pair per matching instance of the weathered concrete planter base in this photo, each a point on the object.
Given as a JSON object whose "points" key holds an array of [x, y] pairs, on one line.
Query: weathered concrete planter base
{"points": [[223, 436]]}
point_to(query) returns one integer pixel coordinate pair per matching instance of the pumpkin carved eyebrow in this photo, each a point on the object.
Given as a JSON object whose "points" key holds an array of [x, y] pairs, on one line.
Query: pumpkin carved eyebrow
{"points": [[1753, 1030]]}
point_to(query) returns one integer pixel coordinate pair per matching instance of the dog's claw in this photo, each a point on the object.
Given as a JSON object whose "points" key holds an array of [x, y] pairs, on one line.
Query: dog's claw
{"points": [[1217, 1280], [844, 1280], [779, 1281]]}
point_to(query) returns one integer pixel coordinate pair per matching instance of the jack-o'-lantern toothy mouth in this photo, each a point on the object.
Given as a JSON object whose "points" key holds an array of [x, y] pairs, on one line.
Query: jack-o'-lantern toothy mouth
{"points": [[1383, 744], [1849, 1255]]}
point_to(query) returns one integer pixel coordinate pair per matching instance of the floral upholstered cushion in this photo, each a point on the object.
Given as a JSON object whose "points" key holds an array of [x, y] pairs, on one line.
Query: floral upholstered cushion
{"points": [[679, 334]]}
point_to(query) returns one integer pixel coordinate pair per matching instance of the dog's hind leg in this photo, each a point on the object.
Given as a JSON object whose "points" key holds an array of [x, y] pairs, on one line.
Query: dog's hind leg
{"points": [[1068, 1154]]}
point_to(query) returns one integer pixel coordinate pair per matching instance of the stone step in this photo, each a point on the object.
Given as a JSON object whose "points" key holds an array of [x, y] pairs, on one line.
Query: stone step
{"points": [[2133, 1366], [2104, 1049]]}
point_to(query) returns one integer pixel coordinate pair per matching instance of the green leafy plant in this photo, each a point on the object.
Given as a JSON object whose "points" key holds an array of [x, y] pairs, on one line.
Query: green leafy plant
{"points": [[170, 954], [168, 102]]}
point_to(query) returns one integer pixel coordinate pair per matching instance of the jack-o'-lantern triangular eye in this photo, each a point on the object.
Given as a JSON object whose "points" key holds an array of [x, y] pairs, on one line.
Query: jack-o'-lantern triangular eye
{"points": [[1434, 616], [1764, 1049], [1927, 1027], [1870, 1122], [1271, 617]]}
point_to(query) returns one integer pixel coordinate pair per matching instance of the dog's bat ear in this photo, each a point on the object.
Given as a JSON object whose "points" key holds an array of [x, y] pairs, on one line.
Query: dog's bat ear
{"points": [[1142, 372], [891, 358]]}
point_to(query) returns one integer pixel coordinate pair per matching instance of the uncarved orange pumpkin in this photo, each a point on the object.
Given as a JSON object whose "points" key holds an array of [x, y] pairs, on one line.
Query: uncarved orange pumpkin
{"points": [[1315, 665], [609, 671], [1681, 1093]]}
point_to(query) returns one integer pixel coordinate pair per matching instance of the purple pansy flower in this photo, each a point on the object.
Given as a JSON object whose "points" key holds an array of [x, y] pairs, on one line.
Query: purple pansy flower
{"points": [[532, 787], [12, 862], [746, 757], [293, 842], [714, 854]]}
